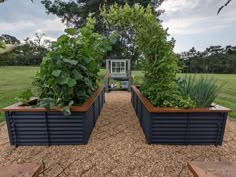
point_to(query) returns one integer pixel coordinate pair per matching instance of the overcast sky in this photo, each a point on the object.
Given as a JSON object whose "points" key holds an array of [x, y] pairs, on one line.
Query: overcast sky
{"points": [[190, 22]]}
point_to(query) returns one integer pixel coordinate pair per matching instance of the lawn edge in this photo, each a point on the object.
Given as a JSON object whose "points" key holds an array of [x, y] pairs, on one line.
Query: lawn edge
{"points": [[2, 123]]}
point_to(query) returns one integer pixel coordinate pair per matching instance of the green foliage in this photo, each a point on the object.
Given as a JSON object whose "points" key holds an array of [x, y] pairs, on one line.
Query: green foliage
{"points": [[69, 73], [30, 52], [12, 84], [214, 59], [8, 39], [74, 13], [202, 90], [24, 97], [137, 80], [160, 65]]}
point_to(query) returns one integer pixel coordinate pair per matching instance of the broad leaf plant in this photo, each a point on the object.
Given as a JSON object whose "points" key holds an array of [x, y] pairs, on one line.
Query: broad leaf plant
{"points": [[69, 73]]}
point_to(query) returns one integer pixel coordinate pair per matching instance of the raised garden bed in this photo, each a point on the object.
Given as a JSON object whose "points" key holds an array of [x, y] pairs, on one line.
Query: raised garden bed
{"points": [[37, 126], [198, 126]]}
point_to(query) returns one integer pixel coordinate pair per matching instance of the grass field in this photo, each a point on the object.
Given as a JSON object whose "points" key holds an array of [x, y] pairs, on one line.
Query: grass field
{"points": [[14, 80]]}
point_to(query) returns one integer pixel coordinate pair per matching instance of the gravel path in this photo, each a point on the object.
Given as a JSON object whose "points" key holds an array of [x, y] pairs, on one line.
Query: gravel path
{"points": [[117, 148]]}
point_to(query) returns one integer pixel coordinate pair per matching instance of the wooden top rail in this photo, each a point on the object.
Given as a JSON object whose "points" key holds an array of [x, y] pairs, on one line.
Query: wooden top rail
{"points": [[83, 108], [154, 109]]}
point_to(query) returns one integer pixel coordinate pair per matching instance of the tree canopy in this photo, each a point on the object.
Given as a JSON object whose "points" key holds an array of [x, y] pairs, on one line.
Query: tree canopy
{"points": [[214, 59], [8, 39], [74, 12], [28, 52]]}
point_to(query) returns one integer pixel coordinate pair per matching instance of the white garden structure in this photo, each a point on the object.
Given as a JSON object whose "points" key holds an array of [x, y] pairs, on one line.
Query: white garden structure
{"points": [[118, 69]]}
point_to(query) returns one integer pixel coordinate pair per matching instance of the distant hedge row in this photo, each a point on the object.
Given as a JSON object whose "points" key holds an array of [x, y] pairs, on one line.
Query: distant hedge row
{"points": [[20, 60], [29, 52]]}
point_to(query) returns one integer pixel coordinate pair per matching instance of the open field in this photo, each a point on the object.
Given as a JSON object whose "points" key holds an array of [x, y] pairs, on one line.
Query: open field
{"points": [[14, 80]]}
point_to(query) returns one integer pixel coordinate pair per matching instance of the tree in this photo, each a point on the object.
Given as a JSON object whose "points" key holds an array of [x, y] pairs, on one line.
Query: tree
{"points": [[8, 43], [8, 39], [75, 12], [214, 59], [6, 48], [30, 52]]}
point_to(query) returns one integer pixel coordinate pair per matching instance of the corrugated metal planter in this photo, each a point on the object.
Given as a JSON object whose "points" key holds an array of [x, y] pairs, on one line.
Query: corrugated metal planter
{"points": [[37, 126], [198, 126]]}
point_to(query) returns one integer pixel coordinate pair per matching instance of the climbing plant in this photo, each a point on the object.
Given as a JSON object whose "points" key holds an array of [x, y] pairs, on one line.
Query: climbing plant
{"points": [[160, 66]]}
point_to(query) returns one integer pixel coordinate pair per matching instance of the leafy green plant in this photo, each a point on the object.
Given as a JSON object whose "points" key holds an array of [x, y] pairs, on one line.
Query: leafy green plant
{"points": [[160, 64], [137, 80], [69, 73], [202, 90], [24, 97]]}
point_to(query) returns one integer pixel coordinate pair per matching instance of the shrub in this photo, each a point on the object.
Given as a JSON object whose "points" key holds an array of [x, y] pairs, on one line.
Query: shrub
{"points": [[202, 90]]}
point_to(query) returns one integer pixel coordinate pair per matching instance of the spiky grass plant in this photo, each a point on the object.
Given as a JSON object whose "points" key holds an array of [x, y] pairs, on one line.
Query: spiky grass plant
{"points": [[203, 90]]}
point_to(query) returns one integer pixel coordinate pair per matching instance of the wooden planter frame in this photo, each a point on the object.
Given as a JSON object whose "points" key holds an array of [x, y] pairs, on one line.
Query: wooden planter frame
{"points": [[198, 126], [37, 126]]}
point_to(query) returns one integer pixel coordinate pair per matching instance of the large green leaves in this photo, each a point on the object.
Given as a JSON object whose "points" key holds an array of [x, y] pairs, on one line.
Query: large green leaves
{"points": [[71, 82], [56, 73], [71, 31], [62, 39], [77, 75], [72, 62], [68, 74]]}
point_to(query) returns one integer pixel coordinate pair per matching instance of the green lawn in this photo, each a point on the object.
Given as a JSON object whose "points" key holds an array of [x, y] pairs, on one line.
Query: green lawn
{"points": [[14, 80], [227, 96]]}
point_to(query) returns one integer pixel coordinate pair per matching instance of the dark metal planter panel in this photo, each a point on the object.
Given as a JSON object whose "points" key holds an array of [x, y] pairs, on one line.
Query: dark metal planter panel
{"points": [[89, 123], [187, 128], [53, 128], [182, 128], [146, 122]]}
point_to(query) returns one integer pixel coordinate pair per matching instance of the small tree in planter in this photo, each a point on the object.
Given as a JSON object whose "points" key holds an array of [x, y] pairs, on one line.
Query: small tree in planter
{"points": [[67, 81], [161, 97]]}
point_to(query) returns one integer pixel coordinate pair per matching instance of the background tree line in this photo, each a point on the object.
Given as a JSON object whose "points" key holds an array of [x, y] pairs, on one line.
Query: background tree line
{"points": [[214, 59], [73, 13], [29, 52]]}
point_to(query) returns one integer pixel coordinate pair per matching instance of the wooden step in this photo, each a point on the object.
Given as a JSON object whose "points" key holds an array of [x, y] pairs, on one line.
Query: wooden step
{"points": [[212, 169], [21, 170]]}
